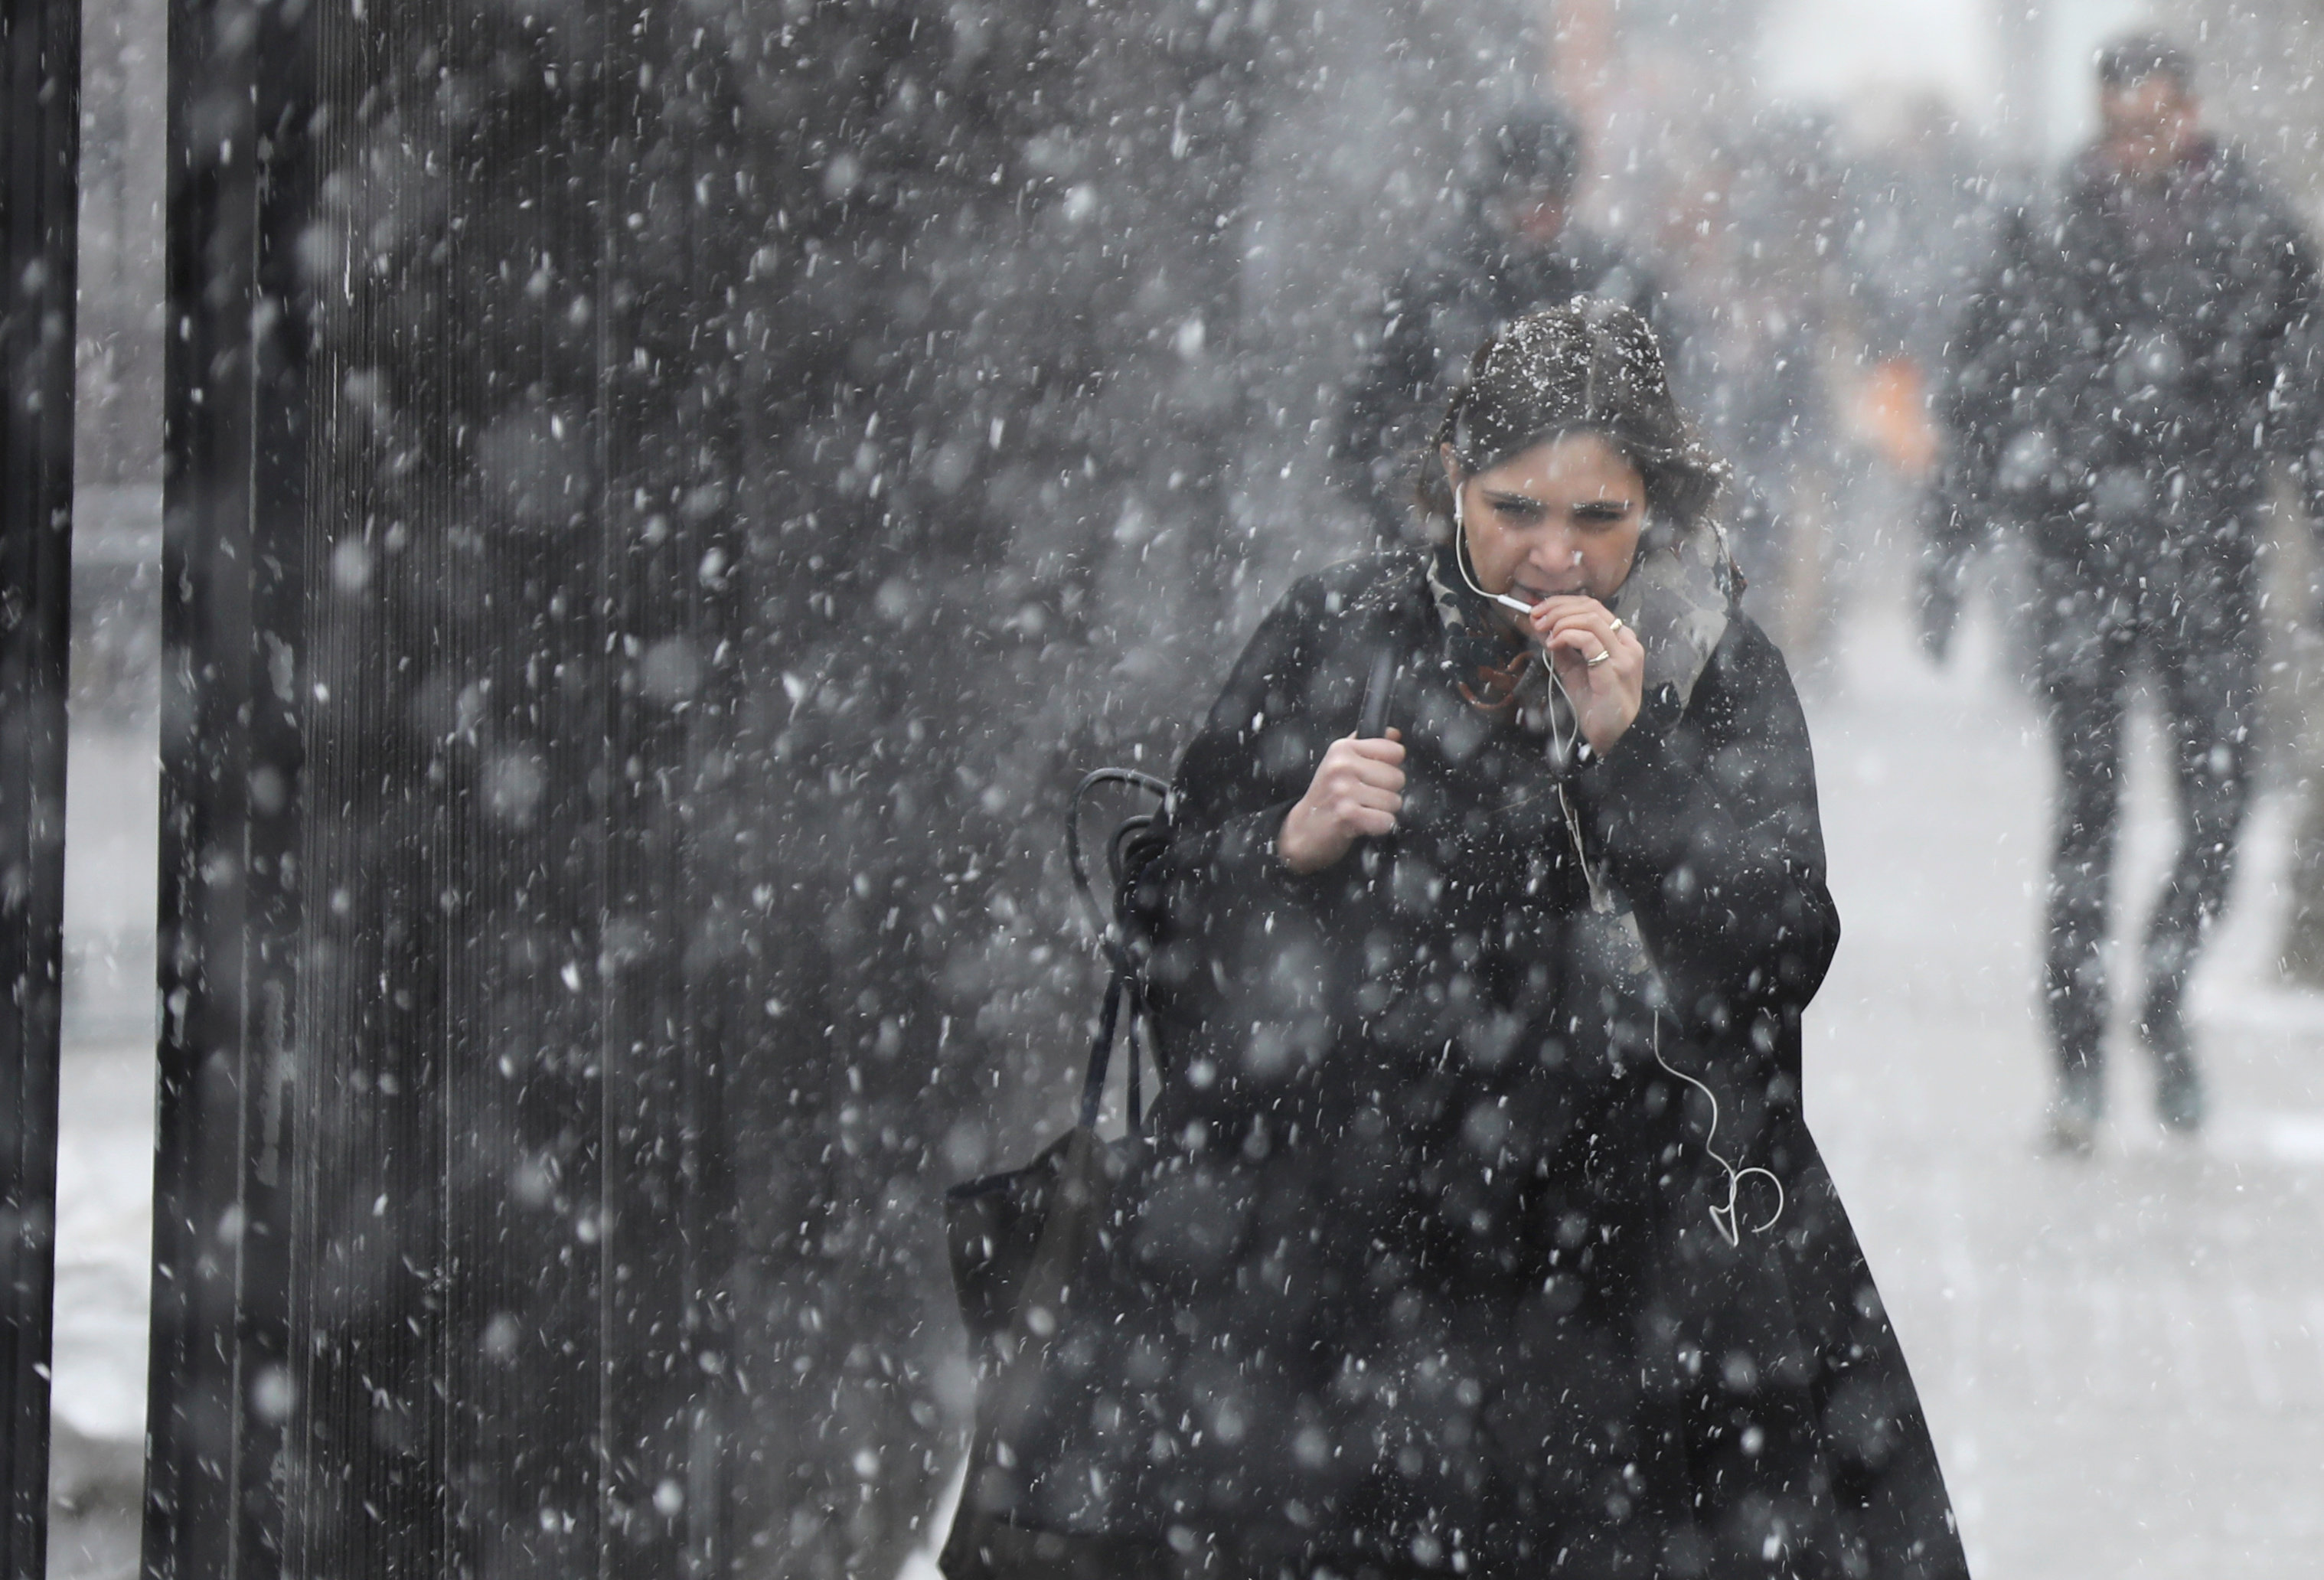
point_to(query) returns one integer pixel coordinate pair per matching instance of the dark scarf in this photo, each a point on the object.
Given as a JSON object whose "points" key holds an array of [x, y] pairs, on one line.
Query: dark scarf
{"points": [[1496, 668]]}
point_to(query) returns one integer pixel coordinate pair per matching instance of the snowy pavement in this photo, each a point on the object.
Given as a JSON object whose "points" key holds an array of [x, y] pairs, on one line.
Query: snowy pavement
{"points": [[2123, 1359], [104, 1152], [105, 1227]]}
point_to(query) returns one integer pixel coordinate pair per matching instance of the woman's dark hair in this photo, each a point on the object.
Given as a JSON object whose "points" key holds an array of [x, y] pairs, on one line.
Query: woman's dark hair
{"points": [[1589, 366]]}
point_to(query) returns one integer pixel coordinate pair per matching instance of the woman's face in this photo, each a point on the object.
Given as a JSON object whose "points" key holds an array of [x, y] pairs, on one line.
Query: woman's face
{"points": [[1561, 517]]}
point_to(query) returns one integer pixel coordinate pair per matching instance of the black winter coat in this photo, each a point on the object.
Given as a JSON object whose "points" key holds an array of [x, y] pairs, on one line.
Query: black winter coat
{"points": [[1423, 1270], [2129, 367]]}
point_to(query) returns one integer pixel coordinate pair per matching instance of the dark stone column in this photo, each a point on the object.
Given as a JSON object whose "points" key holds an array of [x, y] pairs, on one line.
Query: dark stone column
{"points": [[236, 429]]}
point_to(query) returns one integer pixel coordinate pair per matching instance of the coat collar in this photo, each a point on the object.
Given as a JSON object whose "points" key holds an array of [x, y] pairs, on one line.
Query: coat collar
{"points": [[1678, 599]]}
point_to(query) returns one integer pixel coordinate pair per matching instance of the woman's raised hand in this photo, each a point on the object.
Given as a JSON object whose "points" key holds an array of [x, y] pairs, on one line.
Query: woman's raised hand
{"points": [[1605, 691], [1357, 789]]}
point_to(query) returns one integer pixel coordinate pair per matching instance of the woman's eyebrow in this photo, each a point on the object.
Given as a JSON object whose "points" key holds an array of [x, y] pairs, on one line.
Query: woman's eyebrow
{"points": [[1502, 496]]}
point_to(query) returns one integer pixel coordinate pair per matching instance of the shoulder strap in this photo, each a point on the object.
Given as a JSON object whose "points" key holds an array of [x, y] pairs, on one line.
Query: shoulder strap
{"points": [[1378, 691], [1100, 1056]]}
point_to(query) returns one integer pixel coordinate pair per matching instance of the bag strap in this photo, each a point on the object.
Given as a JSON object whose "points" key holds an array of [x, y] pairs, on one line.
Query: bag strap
{"points": [[1135, 1096], [1100, 1056], [1113, 940], [1372, 721]]}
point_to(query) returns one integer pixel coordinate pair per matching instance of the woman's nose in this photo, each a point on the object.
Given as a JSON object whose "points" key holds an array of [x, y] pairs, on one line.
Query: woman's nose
{"points": [[1558, 550]]}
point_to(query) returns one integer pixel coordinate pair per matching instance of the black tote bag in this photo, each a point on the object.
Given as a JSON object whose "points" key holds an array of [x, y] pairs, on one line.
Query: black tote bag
{"points": [[1024, 1247]]}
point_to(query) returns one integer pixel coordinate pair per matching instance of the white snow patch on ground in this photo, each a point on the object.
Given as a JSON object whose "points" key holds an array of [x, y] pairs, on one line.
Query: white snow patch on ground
{"points": [[105, 1238], [105, 1143], [922, 1563]]}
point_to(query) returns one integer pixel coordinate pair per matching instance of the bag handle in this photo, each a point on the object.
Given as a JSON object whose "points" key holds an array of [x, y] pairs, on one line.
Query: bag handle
{"points": [[1100, 1056], [1122, 979]]}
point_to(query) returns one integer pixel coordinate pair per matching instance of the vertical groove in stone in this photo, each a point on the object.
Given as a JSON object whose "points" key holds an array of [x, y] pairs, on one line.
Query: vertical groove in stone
{"points": [[40, 66]]}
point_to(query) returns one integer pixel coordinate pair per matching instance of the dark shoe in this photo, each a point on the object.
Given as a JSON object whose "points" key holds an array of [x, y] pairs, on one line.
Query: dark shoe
{"points": [[2075, 1111], [2179, 1096], [2178, 1084]]}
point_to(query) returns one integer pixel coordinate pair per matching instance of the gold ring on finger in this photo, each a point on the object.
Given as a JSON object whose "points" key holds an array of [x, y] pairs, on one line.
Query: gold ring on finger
{"points": [[1599, 658]]}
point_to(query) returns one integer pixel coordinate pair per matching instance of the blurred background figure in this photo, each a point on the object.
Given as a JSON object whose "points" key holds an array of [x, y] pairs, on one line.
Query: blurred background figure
{"points": [[2116, 398], [1510, 246], [1747, 220], [1920, 193]]}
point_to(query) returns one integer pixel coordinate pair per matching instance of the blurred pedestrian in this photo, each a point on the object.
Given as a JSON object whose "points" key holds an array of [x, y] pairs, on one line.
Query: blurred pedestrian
{"points": [[1513, 247], [2118, 388]]}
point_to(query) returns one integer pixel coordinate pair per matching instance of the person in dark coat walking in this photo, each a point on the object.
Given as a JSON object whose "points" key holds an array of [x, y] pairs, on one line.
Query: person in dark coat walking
{"points": [[1514, 247], [2121, 384], [1481, 1230]]}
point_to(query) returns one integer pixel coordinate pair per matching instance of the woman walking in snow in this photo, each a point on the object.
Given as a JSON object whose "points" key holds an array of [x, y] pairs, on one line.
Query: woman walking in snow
{"points": [[1481, 1233]]}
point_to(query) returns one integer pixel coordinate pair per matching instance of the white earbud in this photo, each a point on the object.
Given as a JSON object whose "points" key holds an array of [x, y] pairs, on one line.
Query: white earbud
{"points": [[1461, 559]]}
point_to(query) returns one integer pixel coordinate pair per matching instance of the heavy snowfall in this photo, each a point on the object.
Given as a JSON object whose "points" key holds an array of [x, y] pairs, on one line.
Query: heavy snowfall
{"points": [[752, 458]]}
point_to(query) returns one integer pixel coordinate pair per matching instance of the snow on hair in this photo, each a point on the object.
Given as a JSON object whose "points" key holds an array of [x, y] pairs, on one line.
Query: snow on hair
{"points": [[1587, 367]]}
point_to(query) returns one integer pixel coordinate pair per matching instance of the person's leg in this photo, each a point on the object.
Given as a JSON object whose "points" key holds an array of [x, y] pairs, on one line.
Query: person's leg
{"points": [[2081, 662], [2207, 665]]}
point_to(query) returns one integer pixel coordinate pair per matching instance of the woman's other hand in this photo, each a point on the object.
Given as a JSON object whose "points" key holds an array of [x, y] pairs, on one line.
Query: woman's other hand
{"points": [[1575, 630], [1357, 789]]}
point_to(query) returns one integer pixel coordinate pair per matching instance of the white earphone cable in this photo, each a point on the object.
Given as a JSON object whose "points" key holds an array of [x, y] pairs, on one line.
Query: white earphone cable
{"points": [[1724, 1217], [1567, 740]]}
